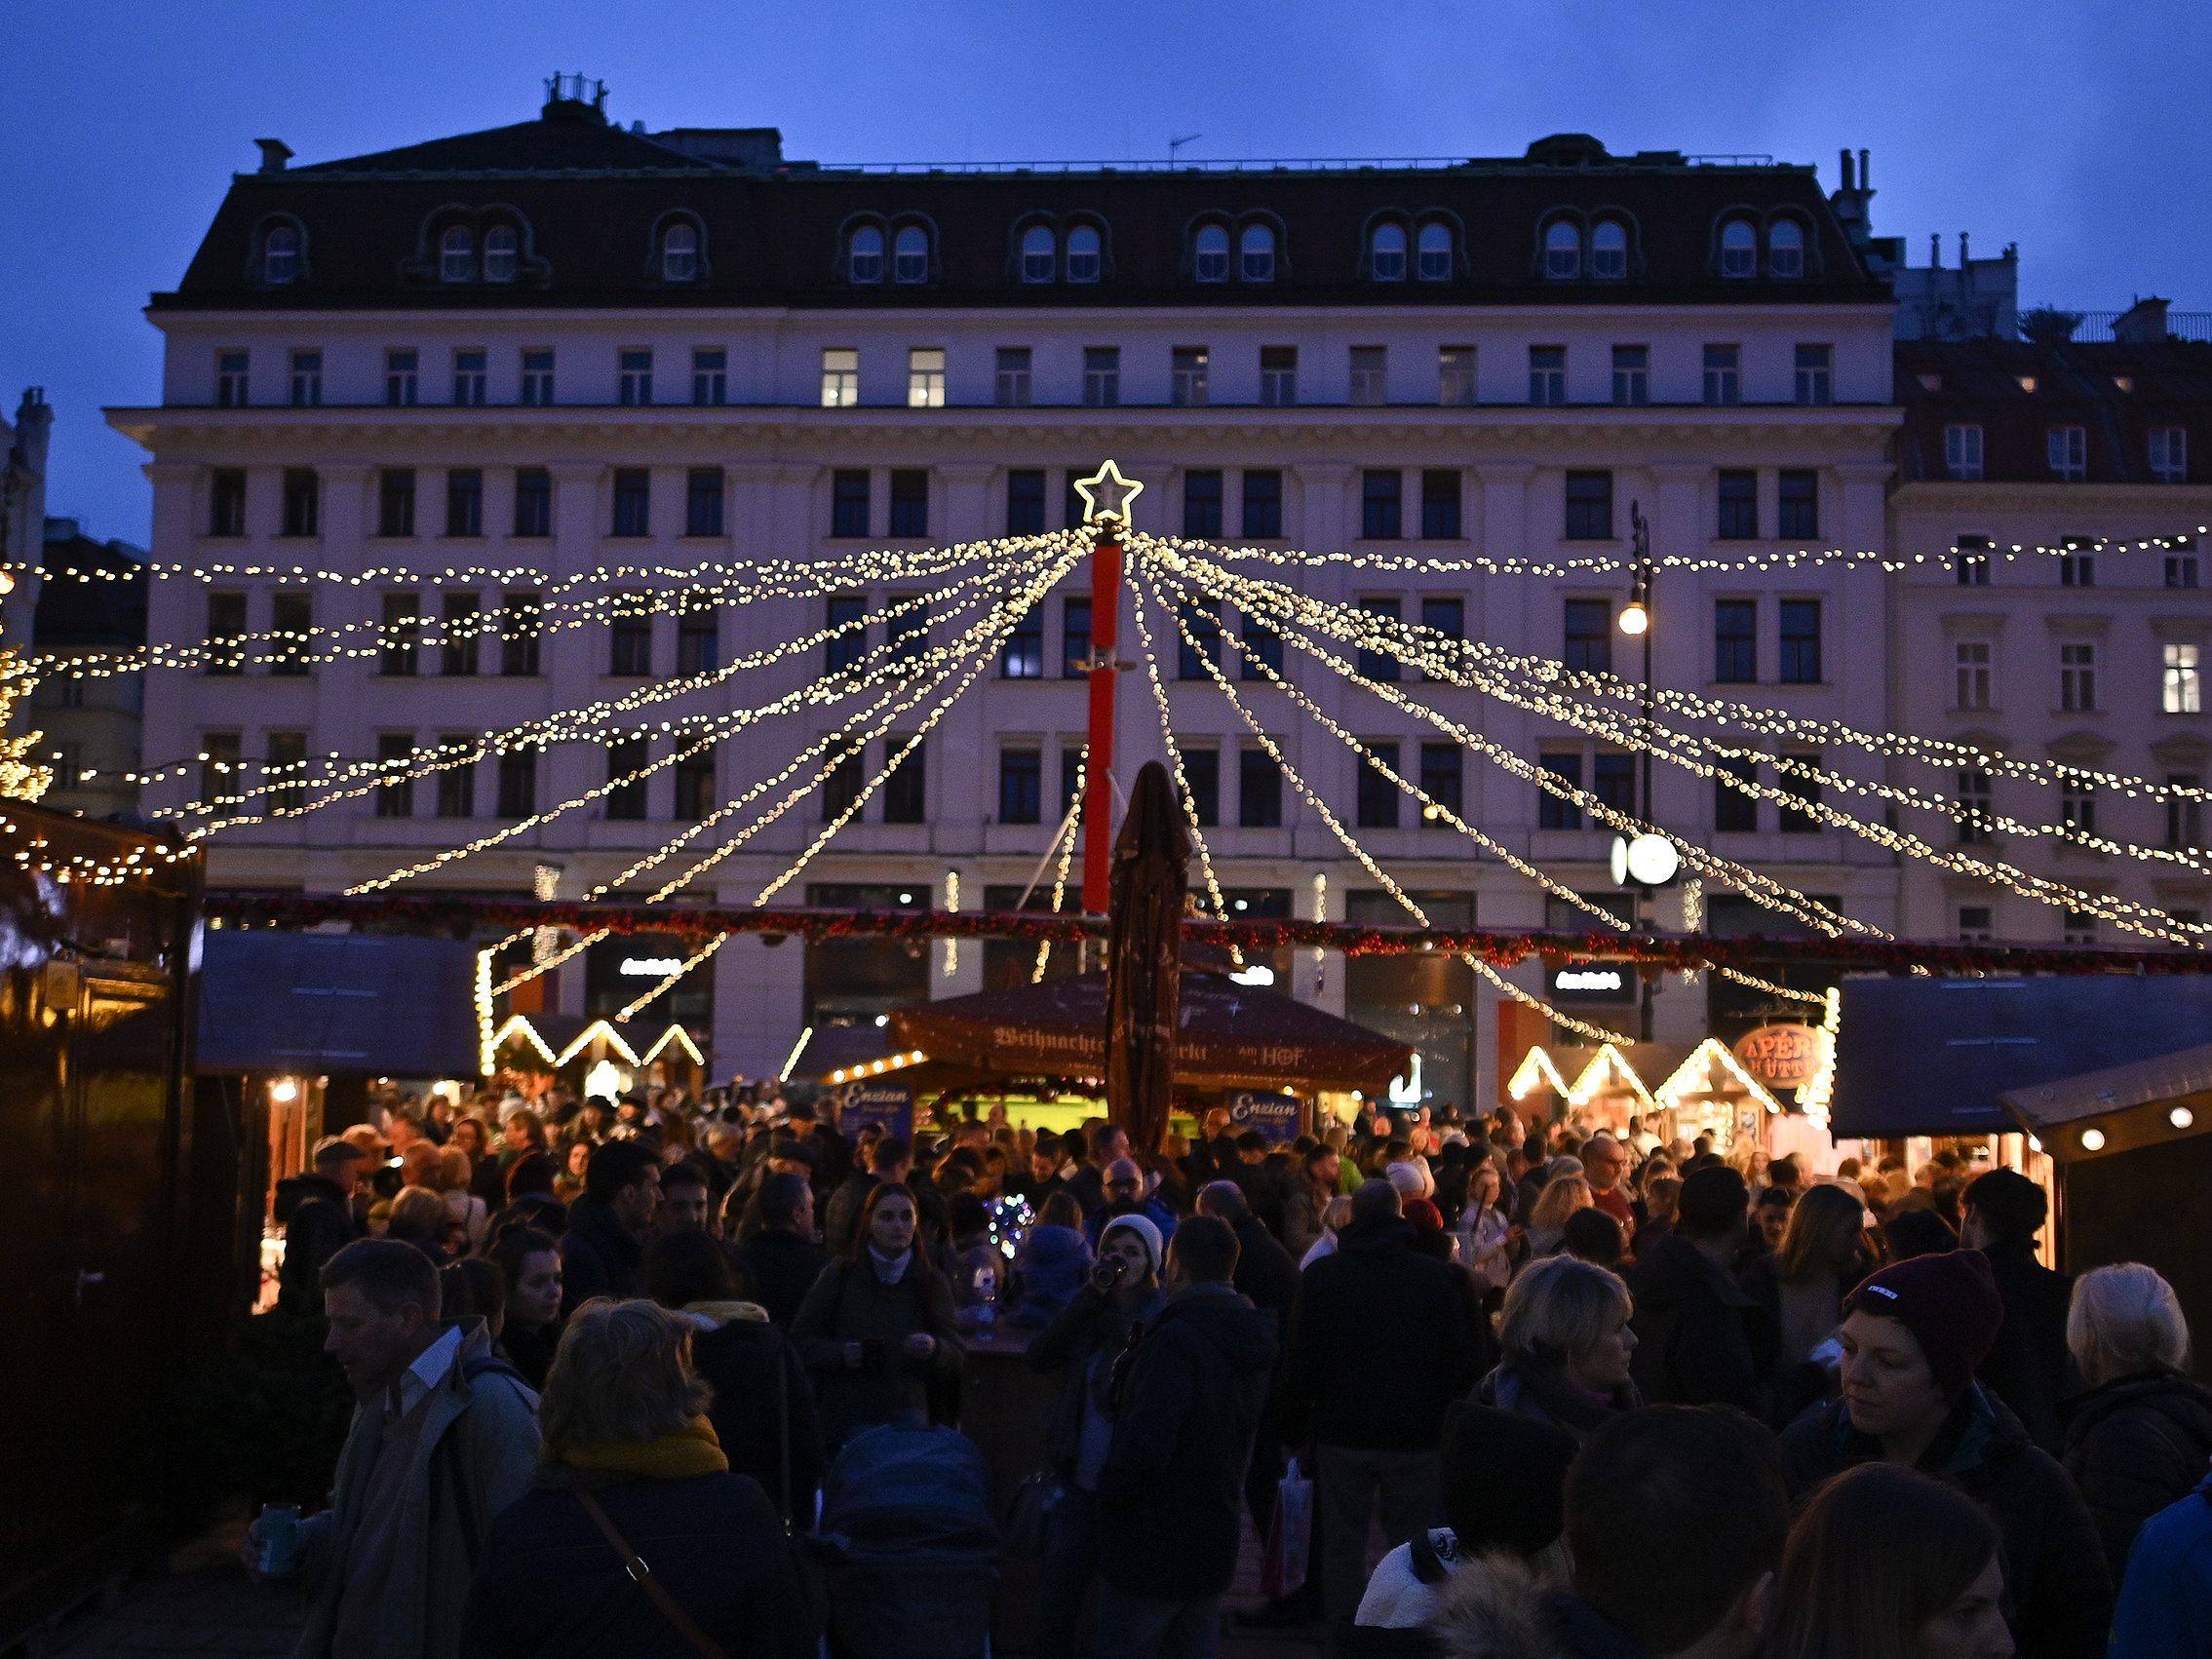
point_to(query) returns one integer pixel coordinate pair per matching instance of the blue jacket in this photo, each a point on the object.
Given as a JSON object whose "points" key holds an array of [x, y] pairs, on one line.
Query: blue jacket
{"points": [[2165, 1605]]}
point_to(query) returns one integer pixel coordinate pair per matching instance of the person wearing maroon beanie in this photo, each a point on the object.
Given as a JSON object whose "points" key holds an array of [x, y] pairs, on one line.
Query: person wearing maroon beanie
{"points": [[1913, 1337]]}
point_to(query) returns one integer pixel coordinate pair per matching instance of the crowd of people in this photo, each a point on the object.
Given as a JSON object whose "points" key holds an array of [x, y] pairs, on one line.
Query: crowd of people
{"points": [[1598, 1394]]}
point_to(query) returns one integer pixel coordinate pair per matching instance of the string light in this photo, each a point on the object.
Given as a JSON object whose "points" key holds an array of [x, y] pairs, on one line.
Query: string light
{"points": [[1182, 789], [1068, 834]]}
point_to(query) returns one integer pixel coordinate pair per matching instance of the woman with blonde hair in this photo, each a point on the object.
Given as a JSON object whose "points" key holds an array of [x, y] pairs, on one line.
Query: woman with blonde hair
{"points": [[637, 1538], [456, 1177], [1566, 1344], [1561, 1196], [1801, 1284], [2140, 1438]]}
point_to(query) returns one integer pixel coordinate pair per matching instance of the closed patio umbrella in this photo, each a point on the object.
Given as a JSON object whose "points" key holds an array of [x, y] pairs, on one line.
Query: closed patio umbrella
{"points": [[1151, 858]]}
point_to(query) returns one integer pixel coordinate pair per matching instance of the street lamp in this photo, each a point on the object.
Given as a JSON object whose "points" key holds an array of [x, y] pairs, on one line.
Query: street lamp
{"points": [[1649, 859]]}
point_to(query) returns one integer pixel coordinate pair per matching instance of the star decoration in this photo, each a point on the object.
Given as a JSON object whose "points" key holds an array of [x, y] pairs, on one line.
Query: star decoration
{"points": [[1106, 495]]}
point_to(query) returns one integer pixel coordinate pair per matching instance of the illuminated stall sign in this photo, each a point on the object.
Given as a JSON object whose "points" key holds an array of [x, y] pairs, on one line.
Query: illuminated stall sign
{"points": [[1594, 982]]}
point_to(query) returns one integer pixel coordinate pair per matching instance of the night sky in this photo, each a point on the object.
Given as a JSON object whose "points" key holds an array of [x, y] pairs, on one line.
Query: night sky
{"points": [[2077, 131]]}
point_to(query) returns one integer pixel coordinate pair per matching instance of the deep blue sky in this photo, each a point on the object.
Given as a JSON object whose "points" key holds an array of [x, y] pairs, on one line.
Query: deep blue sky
{"points": [[2078, 129]]}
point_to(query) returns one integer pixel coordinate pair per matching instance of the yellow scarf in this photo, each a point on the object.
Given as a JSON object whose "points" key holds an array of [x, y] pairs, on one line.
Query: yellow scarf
{"points": [[690, 1450]]}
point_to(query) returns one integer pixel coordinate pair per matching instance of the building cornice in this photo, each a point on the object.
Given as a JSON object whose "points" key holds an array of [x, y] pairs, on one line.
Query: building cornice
{"points": [[2083, 500]]}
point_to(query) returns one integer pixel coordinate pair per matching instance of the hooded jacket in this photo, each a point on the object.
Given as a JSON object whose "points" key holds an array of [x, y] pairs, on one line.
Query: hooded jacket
{"points": [[763, 1407], [2056, 1582], [2133, 1447], [1186, 1410], [1700, 1339], [780, 1267], [1052, 1267]]}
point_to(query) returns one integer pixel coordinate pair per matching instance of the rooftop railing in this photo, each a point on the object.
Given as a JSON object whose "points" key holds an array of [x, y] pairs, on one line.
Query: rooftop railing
{"points": [[1275, 164]]}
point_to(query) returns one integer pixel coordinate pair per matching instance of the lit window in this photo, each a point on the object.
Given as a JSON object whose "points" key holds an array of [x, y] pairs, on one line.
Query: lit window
{"points": [[909, 255], [864, 256], [1739, 248], [1038, 258], [1085, 261], [1962, 453], [925, 377], [2169, 453], [457, 255], [499, 248], [680, 253], [1256, 254], [2068, 448], [2183, 682], [280, 254], [1563, 251], [1386, 253], [1785, 249], [1435, 253], [1608, 249], [1211, 257], [840, 377]]}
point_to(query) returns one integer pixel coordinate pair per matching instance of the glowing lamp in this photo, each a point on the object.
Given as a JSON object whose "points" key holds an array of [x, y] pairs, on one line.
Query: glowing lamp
{"points": [[1649, 861], [2181, 1117], [283, 1091], [2092, 1140], [1634, 618]]}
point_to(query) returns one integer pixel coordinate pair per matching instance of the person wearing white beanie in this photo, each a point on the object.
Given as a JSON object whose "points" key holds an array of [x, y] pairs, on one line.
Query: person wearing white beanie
{"points": [[1155, 1251]]}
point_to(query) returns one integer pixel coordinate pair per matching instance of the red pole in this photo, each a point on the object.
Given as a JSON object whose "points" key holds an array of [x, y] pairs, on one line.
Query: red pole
{"points": [[1098, 788]]}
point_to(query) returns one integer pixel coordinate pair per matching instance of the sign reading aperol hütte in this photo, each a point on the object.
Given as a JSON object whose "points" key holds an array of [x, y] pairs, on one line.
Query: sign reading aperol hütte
{"points": [[1783, 1057]]}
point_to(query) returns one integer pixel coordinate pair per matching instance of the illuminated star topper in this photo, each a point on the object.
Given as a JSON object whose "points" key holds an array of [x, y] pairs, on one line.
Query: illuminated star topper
{"points": [[1106, 495]]}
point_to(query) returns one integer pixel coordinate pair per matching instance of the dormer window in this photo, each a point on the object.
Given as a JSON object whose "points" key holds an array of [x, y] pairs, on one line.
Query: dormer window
{"points": [[1563, 251], [910, 254], [1084, 257], [457, 255], [1038, 256], [1255, 255], [1739, 248], [1785, 249], [680, 253], [501, 244], [1435, 253], [1609, 251], [1386, 253], [279, 255], [1211, 262], [864, 256]]}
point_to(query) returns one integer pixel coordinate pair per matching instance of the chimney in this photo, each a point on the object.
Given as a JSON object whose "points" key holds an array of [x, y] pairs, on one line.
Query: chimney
{"points": [[1866, 174], [1847, 155], [1963, 254], [1935, 250], [275, 152], [2143, 324]]}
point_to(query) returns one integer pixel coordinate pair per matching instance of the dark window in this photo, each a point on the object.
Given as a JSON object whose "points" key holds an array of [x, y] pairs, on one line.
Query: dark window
{"points": [[302, 502], [1442, 779], [709, 379], [1724, 379], [1263, 504], [703, 501], [464, 501], [1022, 656], [633, 501], [1074, 635], [1202, 772], [226, 502], [1071, 502], [909, 501], [1589, 506], [402, 626], [1445, 615], [1376, 806], [1971, 562], [1554, 812], [1025, 502], [848, 503], [534, 501], [395, 501], [1021, 784], [1734, 812], [1201, 622], [1373, 663], [458, 628], [219, 771], [908, 630], [1801, 792], [843, 650], [1547, 374], [1612, 780], [1262, 648], [227, 628], [906, 790], [1588, 644], [2076, 564], [1258, 789], [1382, 515], [286, 777], [694, 785], [1739, 505], [1798, 508], [518, 784], [843, 786], [1202, 503], [1440, 504], [519, 613], [1101, 376], [1736, 641], [627, 800], [1817, 374], [698, 637], [293, 621], [629, 636], [634, 377], [456, 784], [1801, 642], [1632, 375]]}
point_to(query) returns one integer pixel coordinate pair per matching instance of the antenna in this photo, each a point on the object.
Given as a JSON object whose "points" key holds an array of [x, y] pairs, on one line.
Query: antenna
{"points": [[1176, 144]]}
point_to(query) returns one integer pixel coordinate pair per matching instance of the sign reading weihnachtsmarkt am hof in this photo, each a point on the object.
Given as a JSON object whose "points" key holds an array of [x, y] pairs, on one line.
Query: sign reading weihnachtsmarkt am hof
{"points": [[888, 1105], [1783, 1057], [1276, 1118]]}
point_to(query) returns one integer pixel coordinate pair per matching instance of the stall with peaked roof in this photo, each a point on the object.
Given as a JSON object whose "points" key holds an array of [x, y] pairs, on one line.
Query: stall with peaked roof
{"points": [[1681, 1088], [599, 1056]]}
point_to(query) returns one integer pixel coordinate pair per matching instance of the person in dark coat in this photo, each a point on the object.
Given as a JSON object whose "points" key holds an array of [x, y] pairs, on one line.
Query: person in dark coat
{"points": [[1375, 1309], [1186, 1405], [2165, 1602], [889, 1159], [2029, 1367], [604, 1243], [1267, 1278], [776, 1256], [2140, 1438], [1700, 1339], [319, 1222], [1913, 1335], [624, 1433], [1568, 1345]]}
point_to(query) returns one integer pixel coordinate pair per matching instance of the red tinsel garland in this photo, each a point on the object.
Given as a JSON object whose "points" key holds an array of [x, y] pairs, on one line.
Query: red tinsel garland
{"points": [[463, 916]]}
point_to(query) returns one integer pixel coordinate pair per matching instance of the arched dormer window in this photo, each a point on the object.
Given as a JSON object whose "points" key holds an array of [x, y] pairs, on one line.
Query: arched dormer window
{"points": [[910, 254], [1386, 252], [864, 254], [1434, 255], [1256, 253], [500, 248], [1210, 261], [1609, 251], [1563, 250], [279, 255], [1785, 249], [679, 253], [456, 254], [1086, 259], [1739, 248], [1039, 257]]}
